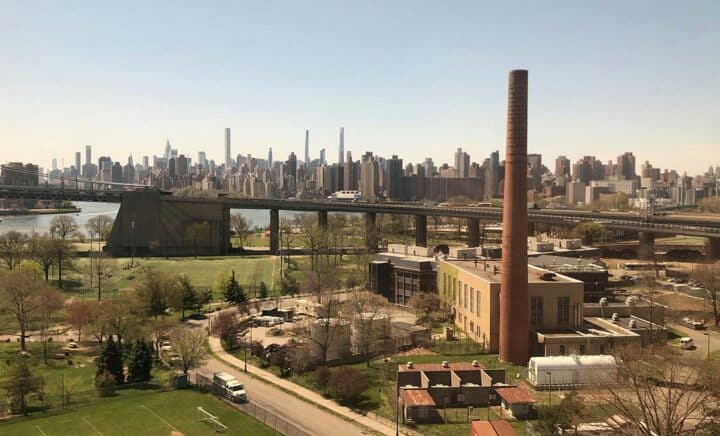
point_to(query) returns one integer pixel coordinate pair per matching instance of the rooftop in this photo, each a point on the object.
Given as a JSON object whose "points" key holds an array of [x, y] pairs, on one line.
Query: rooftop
{"points": [[416, 397], [492, 428], [436, 367], [486, 270], [515, 395]]}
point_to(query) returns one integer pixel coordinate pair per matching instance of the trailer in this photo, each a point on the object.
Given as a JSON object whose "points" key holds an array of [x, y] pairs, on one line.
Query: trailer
{"points": [[570, 371]]}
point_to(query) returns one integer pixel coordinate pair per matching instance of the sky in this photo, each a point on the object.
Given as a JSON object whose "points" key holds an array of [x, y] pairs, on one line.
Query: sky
{"points": [[413, 78]]}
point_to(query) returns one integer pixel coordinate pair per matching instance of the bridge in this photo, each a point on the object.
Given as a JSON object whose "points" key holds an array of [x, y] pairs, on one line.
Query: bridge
{"points": [[156, 223]]}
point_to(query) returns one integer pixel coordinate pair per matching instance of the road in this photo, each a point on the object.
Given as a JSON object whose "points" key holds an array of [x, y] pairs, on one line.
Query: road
{"points": [[700, 339], [306, 416]]}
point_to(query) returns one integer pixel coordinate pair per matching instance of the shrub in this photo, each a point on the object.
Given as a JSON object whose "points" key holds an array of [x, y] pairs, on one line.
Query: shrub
{"points": [[256, 348], [347, 383], [275, 332], [322, 375]]}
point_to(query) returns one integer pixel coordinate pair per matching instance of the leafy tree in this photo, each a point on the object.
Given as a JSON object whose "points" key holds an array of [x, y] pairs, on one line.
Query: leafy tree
{"points": [[263, 290], [119, 319], [41, 249], [226, 326], [100, 225], [709, 205], [78, 315], [289, 286], [589, 232], [156, 292], [49, 301], [64, 256], [19, 384], [425, 303], [709, 277], [347, 383], [189, 344], [140, 362], [19, 292], [12, 248], [110, 361], [190, 300], [242, 228], [233, 291]]}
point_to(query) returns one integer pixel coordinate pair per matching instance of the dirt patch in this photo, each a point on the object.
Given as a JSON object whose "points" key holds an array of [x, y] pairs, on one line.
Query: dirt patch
{"points": [[176, 433], [419, 351], [681, 303]]}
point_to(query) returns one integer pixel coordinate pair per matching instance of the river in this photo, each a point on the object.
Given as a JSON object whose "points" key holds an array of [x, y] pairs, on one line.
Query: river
{"points": [[41, 223]]}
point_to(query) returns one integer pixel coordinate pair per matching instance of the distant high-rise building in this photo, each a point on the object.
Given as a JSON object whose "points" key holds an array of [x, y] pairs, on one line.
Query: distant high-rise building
{"points": [[307, 147], [349, 180], [626, 166], [562, 167], [322, 156], [228, 151], [394, 175], [270, 161], [341, 151], [181, 166], [78, 160], [429, 166], [172, 170], [168, 150], [202, 159], [534, 174], [88, 154], [588, 169], [54, 164], [146, 162], [492, 175], [462, 163], [116, 174], [369, 176]]}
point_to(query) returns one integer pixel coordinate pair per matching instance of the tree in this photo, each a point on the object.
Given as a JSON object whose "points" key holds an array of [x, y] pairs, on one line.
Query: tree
{"points": [[42, 250], [78, 315], [314, 240], [190, 300], [242, 228], [709, 205], [347, 383], [12, 248], [63, 227], [98, 321], [709, 277], [19, 291], [49, 301], [110, 361], [325, 333], [63, 256], [589, 232], [197, 231], [337, 234], [233, 292], [102, 267], [262, 290], [189, 344], [425, 303], [119, 318], [100, 225], [369, 315], [140, 362], [568, 414], [226, 326], [662, 392], [156, 292], [19, 384]]}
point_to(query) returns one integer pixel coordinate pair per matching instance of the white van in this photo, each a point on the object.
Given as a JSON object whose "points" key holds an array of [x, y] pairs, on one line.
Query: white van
{"points": [[687, 343]]}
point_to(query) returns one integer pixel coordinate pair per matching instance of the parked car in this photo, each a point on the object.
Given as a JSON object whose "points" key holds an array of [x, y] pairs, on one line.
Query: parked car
{"points": [[693, 324], [687, 343]]}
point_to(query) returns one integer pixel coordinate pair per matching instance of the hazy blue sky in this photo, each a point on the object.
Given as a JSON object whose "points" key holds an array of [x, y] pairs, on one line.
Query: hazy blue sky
{"points": [[413, 78]]}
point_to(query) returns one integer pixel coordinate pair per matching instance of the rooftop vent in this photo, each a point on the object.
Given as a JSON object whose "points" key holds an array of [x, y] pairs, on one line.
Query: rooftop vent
{"points": [[615, 317], [475, 363], [631, 300], [632, 324], [547, 276], [445, 364], [410, 365], [604, 301]]}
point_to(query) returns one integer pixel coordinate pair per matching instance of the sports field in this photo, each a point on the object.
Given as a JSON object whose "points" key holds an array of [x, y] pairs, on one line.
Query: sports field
{"points": [[170, 413]]}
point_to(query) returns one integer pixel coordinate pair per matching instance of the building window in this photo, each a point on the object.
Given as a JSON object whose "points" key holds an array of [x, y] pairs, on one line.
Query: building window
{"points": [[477, 300], [465, 297], [562, 350], [563, 310], [536, 311], [582, 349]]}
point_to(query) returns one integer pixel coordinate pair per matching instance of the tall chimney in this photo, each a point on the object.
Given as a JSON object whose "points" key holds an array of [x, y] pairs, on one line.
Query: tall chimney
{"points": [[514, 317]]}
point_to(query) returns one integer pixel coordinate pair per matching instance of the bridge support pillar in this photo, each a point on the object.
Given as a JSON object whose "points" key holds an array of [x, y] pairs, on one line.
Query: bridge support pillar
{"points": [[531, 229], [473, 228], [274, 231], [712, 250], [323, 219], [646, 245], [421, 230], [371, 236]]}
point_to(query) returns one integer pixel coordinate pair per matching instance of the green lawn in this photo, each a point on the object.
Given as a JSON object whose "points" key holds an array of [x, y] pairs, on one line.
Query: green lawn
{"points": [[168, 413]]}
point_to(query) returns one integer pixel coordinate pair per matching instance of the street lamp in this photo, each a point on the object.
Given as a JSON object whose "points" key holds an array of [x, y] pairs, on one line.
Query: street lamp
{"points": [[132, 243], [708, 344], [550, 383]]}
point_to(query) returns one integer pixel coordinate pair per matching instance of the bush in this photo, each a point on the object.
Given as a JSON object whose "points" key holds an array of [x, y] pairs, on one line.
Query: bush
{"points": [[275, 332], [322, 375], [347, 383], [256, 349], [105, 383]]}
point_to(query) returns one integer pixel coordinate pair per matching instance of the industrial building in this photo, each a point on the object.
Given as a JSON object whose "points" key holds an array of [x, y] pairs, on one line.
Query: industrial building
{"points": [[594, 276], [398, 275]]}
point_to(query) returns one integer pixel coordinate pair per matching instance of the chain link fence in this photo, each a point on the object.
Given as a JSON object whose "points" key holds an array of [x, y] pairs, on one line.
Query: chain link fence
{"points": [[269, 418]]}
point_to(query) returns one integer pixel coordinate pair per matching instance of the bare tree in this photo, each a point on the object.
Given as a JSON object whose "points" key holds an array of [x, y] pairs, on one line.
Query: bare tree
{"points": [[12, 248], [49, 302], [98, 321], [64, 256], [197, 232], [120, 319], [101, 267], [661, 392], [328, 325], [369, 315], [708, 276], [313, 238], [100, 225], [42, 250], [63, 227], [19, 291], [242, 228], [337, 234], [189, 344], [78, 315]]}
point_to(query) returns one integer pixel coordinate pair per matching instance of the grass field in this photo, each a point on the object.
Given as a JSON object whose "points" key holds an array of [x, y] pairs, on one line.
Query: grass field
{"points": [[168, 413]]}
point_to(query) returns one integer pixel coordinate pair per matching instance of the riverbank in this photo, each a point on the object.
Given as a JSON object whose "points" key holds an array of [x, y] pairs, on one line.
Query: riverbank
{"points": [[23, 212]]}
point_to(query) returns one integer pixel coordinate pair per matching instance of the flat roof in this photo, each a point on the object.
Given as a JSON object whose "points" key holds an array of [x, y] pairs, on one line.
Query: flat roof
{"points": [[416, 397], [487, 273], [515, 395], [492, 428], [437, 367]]}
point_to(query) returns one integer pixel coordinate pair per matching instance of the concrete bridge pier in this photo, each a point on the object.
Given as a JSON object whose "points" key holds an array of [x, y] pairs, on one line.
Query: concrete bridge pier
{"points": [[421, 230], [646, 246], [473, 226], [371, 236], [713, 249], [274, 231], [323, 219], [531, 229]]}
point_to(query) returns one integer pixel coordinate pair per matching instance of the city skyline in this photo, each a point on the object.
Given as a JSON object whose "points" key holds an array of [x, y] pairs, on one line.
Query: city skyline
{"points": [[607, 78]]}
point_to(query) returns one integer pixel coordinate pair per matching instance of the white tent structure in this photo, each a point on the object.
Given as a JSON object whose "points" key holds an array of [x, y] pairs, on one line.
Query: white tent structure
{"points": [[567, 371]]}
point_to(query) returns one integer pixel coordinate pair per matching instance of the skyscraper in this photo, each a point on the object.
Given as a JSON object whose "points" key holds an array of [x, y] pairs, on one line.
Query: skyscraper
{"points": [[341, 151], [562, 166], [307, 147], [78, 157], [626, 166], [202, 159], [228, 154], [53, 166], [270, 161], [88, 154], [394, 173], [322, 156], [462, 163]]}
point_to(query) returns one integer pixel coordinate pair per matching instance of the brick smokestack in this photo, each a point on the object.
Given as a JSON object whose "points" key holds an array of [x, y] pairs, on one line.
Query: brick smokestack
{"points": [[514, 317]]}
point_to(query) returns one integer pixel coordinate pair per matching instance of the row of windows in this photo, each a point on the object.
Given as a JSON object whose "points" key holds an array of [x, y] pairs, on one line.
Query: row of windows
{"points": [[537, 311]]}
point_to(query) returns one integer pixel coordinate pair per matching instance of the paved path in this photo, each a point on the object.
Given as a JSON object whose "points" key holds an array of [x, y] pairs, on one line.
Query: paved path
{"points": [[307, 410], [700, 339]]}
